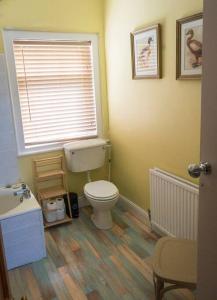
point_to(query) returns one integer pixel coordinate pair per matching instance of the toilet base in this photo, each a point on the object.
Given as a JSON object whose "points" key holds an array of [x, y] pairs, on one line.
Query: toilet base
{"points": [[102, 219]]}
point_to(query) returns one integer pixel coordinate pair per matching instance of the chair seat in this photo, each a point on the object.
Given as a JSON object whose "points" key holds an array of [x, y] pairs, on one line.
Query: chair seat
{"points": [[174, 262], [176, 259]]}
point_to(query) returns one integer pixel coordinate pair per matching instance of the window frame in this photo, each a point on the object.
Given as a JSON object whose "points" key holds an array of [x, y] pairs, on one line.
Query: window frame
{"points": [[8, 37]]}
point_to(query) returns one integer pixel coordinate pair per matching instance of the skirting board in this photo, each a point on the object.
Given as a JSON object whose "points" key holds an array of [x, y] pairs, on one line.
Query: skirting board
{"points": [[140, 213], [130, 206], [161, 231], [82, 201]]}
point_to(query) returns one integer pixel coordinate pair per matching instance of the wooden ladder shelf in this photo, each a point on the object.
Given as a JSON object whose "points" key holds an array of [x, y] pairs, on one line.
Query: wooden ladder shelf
{"points": [[50, 182]]}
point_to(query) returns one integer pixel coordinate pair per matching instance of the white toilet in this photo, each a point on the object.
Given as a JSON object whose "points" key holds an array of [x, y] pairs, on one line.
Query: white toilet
{"points": [[87, 155]]}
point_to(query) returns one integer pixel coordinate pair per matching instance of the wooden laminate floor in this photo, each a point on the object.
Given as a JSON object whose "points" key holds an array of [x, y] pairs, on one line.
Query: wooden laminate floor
{"points": [[86, 263]]}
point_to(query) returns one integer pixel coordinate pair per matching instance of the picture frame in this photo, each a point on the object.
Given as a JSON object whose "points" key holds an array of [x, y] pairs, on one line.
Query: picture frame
{"points": [[189, 35], [146, 52]]}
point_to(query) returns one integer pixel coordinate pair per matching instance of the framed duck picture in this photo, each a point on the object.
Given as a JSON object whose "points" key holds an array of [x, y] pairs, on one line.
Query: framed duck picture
{"points": [[189, 34], [145, 49]]}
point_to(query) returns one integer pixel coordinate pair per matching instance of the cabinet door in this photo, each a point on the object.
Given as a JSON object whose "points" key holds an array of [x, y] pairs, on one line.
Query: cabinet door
{"points": [[23, 238], [4, 282]]}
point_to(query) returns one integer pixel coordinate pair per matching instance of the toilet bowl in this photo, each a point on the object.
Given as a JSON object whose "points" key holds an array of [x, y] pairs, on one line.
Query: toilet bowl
{"points": [[102, 196]]}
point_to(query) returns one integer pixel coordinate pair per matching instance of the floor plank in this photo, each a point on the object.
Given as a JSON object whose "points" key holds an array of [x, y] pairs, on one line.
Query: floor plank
{"points": [[85, 263]]}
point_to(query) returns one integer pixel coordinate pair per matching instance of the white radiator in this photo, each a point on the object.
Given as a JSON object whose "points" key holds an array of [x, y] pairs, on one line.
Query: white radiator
{"points": [[174, 204]]}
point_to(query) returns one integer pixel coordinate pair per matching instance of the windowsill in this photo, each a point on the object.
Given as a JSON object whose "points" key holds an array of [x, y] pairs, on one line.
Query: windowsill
{"points": [[39, 151], [47, 149]]}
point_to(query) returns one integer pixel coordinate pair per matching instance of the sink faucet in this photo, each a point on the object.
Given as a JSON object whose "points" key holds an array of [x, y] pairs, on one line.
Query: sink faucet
{"points": [[24, 191]]}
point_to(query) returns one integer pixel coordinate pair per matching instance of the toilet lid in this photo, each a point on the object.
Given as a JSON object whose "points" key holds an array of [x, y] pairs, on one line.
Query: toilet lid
{"points": [[101, 189]]}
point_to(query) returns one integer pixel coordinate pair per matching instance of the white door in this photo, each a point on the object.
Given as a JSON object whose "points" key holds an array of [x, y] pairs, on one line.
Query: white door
{"points": [[207, 241]]}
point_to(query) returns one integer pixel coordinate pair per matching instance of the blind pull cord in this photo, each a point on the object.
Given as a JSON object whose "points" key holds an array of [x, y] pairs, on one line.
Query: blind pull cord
{"points": [[26, 85]]}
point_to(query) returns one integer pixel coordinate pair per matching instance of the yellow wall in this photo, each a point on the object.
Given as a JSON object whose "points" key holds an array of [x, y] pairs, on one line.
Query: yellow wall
{"points": [[152, 122], [57, 16]]}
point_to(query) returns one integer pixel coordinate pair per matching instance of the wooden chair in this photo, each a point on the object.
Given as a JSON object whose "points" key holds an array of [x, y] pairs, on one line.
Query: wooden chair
{"points": [[174, 263]]}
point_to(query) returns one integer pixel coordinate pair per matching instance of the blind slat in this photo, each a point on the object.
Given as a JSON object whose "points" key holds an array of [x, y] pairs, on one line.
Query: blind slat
{"points": [[44, 124], [43, 131], [67, 132], [46, 116], [48, 96]]}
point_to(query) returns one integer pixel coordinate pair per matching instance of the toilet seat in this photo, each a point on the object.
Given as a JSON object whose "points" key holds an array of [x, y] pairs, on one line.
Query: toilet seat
{"points": [[101, 190], [101, 199]]}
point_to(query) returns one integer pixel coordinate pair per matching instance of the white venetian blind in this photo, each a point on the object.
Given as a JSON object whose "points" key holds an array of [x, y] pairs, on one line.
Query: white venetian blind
{"points": [[56, 90]]}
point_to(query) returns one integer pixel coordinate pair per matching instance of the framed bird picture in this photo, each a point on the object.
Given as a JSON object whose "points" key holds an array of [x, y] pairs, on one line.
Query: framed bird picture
{"points": [[189, 34], [145, 49]]}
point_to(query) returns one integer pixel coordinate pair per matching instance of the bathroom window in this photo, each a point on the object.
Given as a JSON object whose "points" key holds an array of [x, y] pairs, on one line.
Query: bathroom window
{"points": [[54, 83]]}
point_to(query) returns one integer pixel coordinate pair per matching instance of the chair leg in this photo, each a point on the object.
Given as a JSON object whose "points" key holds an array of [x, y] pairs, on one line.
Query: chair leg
{"points": [[159, 286]]}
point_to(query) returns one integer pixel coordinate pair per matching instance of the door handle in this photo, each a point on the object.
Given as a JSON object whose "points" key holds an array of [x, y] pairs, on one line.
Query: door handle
{"points": [[195, 170]]}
